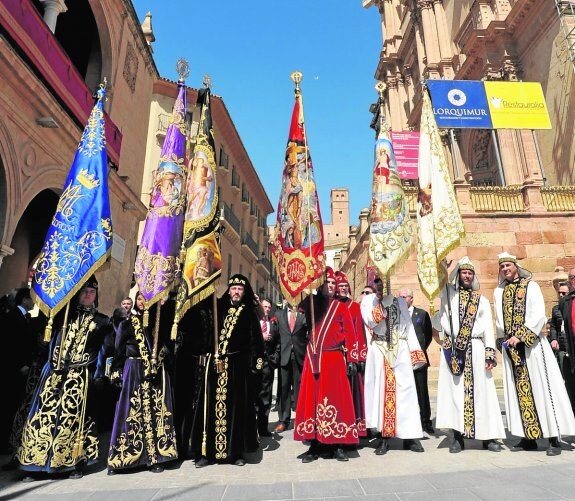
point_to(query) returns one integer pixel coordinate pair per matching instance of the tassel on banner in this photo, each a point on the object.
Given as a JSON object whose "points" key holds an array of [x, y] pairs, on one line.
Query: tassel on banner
{"points": [[48, 330], [146, 319], [174, 333], [204, 444]]}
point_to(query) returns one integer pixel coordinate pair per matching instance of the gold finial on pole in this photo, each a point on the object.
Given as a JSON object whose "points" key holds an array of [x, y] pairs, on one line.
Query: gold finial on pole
{"points": [[297, 77], [207, 81], [384, 128], [183, 69]]}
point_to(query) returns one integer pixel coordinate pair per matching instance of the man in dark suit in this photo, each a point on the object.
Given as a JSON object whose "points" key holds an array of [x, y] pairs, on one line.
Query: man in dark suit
{"points": [[293, 337], [422, 324], [271, 337], [568, 363]]}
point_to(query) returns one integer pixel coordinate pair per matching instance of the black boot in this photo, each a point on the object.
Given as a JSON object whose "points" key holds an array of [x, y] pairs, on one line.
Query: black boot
{"points": [[413, 445], [263, 423], [554, 448], [525, 444], [492, 445], [382, 446], [312, 454], [457, 444], [340, 454]]}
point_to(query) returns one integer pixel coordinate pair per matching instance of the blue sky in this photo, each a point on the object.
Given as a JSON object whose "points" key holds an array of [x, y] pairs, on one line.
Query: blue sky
{"points": [[250, 49]]}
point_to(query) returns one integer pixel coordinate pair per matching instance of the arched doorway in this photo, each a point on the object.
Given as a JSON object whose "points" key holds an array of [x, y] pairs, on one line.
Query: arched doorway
{"points": [[28, 240]]}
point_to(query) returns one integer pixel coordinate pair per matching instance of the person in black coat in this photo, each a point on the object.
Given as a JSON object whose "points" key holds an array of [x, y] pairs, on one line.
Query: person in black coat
{"points": [[568, 362], [292, 354], [271, 337], [18, 345], [422, 324]]}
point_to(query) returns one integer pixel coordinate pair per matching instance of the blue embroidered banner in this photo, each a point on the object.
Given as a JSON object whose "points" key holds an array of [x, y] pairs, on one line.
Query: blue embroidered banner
{"points": [[79, 239]]}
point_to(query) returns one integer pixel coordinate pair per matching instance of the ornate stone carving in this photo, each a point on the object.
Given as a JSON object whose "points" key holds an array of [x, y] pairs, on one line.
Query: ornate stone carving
{"points": [[480, 150], [512, 70], [131, 67], [425, 4]]}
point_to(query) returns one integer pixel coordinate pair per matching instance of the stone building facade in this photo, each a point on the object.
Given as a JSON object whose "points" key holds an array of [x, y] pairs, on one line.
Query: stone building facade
{"points": [[53, 55], [529, 209]]}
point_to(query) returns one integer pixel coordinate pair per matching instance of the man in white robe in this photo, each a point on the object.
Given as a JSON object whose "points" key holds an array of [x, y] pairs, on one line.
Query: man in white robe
{"points": [[466, 396], [391, 404], [536, 400]]}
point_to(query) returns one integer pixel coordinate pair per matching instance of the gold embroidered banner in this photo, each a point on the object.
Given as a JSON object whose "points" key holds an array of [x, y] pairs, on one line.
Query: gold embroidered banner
{"points": [[439, 223]]}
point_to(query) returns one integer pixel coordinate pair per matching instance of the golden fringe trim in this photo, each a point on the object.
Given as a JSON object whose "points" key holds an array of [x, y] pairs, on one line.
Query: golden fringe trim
{"points": [[202, 294], [52, 312]]}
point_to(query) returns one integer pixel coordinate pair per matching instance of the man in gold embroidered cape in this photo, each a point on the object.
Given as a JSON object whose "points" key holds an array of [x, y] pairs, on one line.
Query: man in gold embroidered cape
{"points": [[60, 432], [536, 401], [467, 400]]}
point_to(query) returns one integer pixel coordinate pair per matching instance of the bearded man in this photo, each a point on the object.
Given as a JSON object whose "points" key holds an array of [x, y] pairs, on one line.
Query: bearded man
{"points": [[224, 425]]}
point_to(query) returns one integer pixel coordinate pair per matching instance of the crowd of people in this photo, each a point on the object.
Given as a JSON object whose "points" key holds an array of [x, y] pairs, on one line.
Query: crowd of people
{"points": [[349, 368]]}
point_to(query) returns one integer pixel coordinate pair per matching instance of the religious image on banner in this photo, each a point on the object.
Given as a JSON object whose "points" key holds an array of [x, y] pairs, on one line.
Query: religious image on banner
{"points": [[391, 232], [202, 263], [79, 239], [439, 223], [157, 261], [298, 244]]}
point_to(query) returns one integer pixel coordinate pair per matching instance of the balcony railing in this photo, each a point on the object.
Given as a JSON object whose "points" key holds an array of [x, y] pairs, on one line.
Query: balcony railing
{"points": [[497, 198], [558, 198], [250, 243], [232, 219]]}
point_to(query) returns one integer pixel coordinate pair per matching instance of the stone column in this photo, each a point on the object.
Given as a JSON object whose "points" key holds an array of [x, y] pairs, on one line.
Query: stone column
{"points": [[394, 119], [52, 8], [430, 38], [5, 251], [445, 47], [421, 56]]}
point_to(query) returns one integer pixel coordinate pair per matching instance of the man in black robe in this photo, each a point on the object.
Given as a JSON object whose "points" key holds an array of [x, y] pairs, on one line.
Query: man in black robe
{"points": [[60, 433], [224, 425]]}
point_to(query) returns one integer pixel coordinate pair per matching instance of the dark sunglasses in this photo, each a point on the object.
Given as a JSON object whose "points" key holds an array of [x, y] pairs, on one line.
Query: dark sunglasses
{"points": [[366, 292]]}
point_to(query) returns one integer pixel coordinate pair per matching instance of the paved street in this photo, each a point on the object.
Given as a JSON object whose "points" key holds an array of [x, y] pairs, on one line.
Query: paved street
{"points": [[276, 473]]}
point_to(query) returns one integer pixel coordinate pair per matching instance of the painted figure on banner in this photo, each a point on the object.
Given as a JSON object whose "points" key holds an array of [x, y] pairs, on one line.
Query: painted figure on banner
{"points": [[208, 259], [388, 205], [167, 186], [200, 187], [293, 189], [297, 248]]}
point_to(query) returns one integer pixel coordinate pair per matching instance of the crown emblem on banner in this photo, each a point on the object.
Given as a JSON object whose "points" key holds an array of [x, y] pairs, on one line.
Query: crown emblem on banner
{"points": [[87, 180]]}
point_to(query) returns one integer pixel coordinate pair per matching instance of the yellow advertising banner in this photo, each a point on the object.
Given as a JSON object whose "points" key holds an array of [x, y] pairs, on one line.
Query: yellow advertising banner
{"points": [[517, 105]]}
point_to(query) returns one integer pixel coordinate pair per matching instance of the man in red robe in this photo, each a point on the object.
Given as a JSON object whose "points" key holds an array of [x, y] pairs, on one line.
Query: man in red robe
{"points": [[325, 413], [356, 353]]}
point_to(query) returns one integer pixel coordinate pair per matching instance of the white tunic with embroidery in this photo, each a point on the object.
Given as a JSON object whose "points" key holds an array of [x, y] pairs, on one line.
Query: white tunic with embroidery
{"points": [[549, 393], [403, 417], [484, 415]]}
